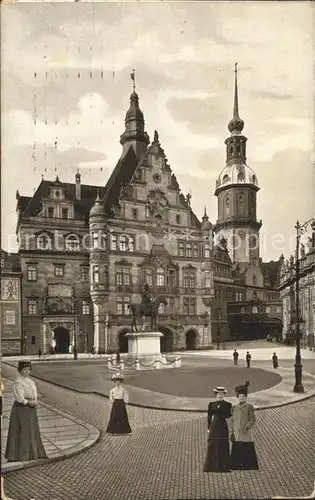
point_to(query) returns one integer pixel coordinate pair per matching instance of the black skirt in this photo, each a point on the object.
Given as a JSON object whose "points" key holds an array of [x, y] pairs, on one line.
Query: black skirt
{"points": [[118, 420], [24, 441], [243, 456], [218, 451]]}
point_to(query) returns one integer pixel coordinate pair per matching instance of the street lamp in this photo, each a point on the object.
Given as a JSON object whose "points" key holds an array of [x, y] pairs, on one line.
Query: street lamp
{"points": [[300, 229], [75, 350]]}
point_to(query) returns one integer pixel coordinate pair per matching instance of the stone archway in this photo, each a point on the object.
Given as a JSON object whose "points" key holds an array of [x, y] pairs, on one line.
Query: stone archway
{"points": [[62, 340], [167, 341], [123, 341], [191, 340]]}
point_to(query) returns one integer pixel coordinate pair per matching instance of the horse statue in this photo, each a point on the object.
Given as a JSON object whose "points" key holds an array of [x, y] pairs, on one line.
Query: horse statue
{"points": [[140, 310]]}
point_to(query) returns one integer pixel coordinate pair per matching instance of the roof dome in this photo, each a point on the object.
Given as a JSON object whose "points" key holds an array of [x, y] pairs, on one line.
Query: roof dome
{"points": [[237, 174], [98, 207], [205, 224]]}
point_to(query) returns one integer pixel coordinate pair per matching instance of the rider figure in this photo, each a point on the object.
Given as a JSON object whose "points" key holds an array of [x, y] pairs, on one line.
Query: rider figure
{"points": [[146, 298]]}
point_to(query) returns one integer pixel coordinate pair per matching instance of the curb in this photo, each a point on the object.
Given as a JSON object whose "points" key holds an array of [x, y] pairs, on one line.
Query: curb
{"points": [[188, 410]]}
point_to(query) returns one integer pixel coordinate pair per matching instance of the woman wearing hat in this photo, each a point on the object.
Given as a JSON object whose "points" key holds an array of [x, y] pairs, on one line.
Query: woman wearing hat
{"points": [[118, 396], [243, 454], [24, 441], [218, 452]]}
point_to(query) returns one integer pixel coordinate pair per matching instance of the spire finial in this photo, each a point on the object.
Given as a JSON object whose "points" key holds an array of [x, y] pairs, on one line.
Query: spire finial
{"points": [[98, 196], [236, 125], [133, 78], [235, 111], [205, 215]]}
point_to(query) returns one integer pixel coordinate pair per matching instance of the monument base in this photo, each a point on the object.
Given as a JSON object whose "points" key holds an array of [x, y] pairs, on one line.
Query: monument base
{"points": [[144, 351]]}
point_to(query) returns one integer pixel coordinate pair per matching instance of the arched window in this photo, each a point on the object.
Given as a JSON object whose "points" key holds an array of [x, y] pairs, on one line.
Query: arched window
{"points": [[43, 242], [160, 277], [240, 204], [162, 308], [72, 243], [254, 280], [227, 205]]}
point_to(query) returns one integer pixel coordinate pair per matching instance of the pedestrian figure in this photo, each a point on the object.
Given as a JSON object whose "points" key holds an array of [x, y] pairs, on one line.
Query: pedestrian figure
{"points": [[117, 357], [218, 450], [243, 454], [24, 440], [40, 352], [235, 356], [118, 396], [248, 358], [275, 360]]}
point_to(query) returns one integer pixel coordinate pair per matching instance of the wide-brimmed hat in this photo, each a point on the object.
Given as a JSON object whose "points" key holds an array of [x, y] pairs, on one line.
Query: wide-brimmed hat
{"points": [[242, 389], [24, 364], [117, 376], [220, 388]]}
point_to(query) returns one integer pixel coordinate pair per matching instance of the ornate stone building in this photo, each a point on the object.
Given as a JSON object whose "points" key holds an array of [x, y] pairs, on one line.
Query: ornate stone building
{"points": [[306, 296], [11, 328], [87, 251]]}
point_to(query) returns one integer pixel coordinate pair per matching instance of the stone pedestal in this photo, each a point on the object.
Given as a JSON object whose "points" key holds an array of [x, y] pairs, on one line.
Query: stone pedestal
{"points": [[144, 346]]}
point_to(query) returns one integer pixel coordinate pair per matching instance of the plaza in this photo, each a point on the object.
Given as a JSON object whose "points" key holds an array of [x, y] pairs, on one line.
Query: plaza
{"points": [[163, 458]]}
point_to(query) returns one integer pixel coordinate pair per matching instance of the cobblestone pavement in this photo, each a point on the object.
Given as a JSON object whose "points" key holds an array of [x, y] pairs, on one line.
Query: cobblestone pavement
{"points": [[163, 458]]}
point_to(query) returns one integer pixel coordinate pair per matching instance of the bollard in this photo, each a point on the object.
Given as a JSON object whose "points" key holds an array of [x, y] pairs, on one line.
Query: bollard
{"points": [[109, 363], [137, 364], [157, 364], [122, 365]]}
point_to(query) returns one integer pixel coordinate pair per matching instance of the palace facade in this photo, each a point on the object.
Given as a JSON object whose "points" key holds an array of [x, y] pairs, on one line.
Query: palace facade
{"points": [[306, 294], [87, 251]]}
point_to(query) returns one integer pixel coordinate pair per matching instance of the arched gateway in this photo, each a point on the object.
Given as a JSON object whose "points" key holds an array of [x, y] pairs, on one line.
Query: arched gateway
{"points": [[62, 340]]}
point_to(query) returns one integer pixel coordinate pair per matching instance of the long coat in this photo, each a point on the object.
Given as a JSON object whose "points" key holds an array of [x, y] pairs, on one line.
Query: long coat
{"points": [[242, 421]]}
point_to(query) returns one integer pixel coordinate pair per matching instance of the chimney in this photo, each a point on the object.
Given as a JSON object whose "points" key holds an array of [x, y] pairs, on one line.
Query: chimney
{"points": [[78, 186]]}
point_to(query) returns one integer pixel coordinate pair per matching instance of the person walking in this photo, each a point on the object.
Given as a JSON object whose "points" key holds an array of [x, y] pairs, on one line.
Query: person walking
{"points": [[218, 450], [243, 453], [118, 419], [275, 361], [235, 357], [118, 357], [24, 441], [248, 359]]}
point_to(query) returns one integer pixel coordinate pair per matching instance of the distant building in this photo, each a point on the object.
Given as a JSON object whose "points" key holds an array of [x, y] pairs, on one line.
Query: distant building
{"points": [[87, 251], [11, 328], [306, 296]]}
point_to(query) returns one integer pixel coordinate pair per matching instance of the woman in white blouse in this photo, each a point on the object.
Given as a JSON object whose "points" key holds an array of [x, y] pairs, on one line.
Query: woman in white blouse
{"points": [[24, 441], [118, 396]]}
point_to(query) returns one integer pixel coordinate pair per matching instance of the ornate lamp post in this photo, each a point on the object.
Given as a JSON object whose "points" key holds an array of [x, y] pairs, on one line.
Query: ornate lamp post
{"points": [[300, 229]]}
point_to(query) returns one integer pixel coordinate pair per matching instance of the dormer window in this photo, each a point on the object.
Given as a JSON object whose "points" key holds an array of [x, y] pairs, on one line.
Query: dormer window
{"points": [[43, 242], [240, 177], [57, 194], [225, 178]]}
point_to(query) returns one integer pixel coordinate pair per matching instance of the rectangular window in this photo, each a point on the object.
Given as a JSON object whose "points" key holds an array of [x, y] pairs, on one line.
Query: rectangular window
{"points": [[59, 270], [51, 212], [278, 309], [123, 244], [268, 309], [31, 272], [177, 219], [171, 278], [95, 270], [123, 276], [33, 340], [64, 213], [95, 239], [85, 274], [181, 249], [148, 277], [172, 305], [131, 244], [122, 305], [218, 314], [85, 307], [189, 305], [32, 306], [255, 310], [207, 252], [207, 279], [189, 280], [162, 308], [188, 250], [196, 252], [113, 242], [2, 263], [160, 277], [135, 213], [43, 243], [9, 317]]}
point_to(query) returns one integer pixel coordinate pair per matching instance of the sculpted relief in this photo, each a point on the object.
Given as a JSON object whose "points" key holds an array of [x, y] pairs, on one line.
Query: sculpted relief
{"points": [[9, 289]]}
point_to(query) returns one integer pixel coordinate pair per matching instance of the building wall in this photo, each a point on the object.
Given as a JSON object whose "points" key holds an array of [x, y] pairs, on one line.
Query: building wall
{"points": [[11, 330]]}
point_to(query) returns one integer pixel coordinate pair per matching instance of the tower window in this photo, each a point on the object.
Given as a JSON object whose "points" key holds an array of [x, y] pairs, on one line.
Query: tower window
{"points": [[231, 149], [254, 280], [225, 178], [135, 213], [227, 205], [177, 219], [240, 177], [238, 149]]}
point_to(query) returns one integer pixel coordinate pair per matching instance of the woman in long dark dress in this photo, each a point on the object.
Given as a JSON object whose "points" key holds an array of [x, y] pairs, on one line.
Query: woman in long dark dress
{"points": [[218, 452], [118, 396], [24, 440], [243, 453]]}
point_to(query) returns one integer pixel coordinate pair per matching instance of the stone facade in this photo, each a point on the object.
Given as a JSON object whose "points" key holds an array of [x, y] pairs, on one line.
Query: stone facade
{"points": [[306, 294], [11, 328], [87, 251]]}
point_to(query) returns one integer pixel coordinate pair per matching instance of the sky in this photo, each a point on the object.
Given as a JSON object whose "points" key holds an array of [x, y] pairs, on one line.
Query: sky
{"points": [[66, 85]]}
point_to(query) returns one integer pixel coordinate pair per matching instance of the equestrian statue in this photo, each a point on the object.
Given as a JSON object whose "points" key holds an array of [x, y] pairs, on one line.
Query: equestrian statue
{"points": [[146, 308]]}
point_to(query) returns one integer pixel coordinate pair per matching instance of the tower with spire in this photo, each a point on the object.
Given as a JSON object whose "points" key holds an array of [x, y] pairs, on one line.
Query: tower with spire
{"points": [[236, 191], [134, 134]]}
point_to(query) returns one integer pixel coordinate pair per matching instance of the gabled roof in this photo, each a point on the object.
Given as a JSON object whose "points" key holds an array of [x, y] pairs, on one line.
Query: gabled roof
{"points": [[31, 205], [271, 270], [121, 176]]}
